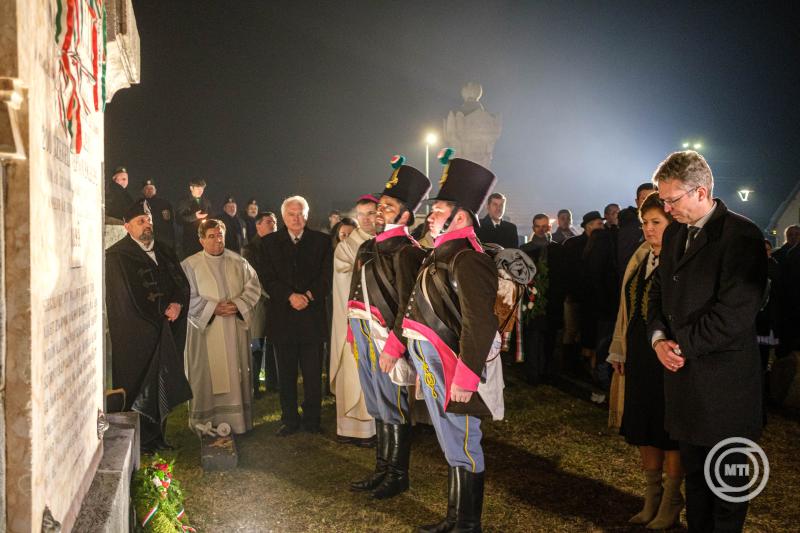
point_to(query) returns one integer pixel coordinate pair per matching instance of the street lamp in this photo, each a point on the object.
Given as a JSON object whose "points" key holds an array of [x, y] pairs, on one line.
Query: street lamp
{"points": [[744, 194], [430, 139]]}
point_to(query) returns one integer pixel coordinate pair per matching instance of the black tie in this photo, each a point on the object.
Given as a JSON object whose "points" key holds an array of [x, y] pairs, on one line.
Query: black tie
{"points": [[693, 231], [296, 240]]}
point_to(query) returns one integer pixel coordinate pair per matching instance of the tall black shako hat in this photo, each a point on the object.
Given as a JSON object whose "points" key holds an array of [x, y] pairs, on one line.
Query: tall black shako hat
{"points": [[464, 183], [136, 209], [407, 184]]}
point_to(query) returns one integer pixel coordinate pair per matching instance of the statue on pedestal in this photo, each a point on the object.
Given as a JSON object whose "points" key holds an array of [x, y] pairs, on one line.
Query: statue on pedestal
{"points": [[472, 130]]}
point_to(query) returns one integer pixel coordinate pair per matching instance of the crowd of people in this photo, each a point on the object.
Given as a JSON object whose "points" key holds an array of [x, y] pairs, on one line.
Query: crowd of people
{"points": [[665, 307]]}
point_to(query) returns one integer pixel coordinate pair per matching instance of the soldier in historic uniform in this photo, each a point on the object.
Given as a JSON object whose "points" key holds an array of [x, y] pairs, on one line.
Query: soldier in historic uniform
{"points": [[452, 338], [383, 276], [163, 214]]}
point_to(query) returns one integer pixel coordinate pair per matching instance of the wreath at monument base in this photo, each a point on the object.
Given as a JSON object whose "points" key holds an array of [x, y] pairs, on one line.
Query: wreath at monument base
{"points": [[158, 499]]}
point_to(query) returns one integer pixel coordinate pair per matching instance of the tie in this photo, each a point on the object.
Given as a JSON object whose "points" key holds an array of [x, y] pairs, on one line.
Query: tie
{"points": [[296, 240], [693, 231]]}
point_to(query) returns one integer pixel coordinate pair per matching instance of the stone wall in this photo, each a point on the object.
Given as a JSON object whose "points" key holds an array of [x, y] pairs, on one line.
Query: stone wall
{"points": [[51, 141]]}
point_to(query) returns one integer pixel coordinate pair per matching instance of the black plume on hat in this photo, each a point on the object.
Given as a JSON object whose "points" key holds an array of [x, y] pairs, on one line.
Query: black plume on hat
{"points": [[137, 209], [464, 183], [407, 184], [591, 215]]}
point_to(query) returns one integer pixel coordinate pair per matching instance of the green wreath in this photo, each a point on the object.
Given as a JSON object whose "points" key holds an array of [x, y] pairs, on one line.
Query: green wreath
{"points": [[158, 499]]}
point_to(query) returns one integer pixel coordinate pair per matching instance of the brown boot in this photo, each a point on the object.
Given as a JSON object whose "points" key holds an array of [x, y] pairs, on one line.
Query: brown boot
{"points": [[652, 497], [669, 511]]}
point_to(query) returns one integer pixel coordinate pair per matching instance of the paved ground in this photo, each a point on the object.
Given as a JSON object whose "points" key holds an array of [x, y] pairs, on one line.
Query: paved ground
{"points": [[552, 466]]}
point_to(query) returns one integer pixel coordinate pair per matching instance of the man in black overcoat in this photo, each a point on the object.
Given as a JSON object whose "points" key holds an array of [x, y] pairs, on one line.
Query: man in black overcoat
{"points": [[147, 295], [296, 272], [192, 210], [701, 316], [493, 228]]}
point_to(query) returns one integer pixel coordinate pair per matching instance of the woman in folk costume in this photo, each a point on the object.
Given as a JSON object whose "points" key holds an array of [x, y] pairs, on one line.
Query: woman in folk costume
{"points": [[354, 424], [384, 275], [451, 331], [224, 294], [640, 374]]}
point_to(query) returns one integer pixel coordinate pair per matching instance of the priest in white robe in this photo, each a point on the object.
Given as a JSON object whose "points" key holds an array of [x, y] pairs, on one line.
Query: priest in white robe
{"points": [[353, 422], [224, 294]]}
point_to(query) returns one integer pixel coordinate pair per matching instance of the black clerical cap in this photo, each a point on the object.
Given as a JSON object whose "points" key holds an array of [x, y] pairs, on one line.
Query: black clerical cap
{"points": [[407, 184], [464, 183], [137, 209], [590, 216]]}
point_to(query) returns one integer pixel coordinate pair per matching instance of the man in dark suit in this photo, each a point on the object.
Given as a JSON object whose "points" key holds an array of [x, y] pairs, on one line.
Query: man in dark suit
{"points": [[296, 272], [701, 316], [493, 228]]}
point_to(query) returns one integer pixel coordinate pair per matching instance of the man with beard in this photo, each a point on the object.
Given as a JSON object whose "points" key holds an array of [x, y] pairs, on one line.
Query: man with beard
{"points": [[234, 226], [354, 424], [191, 211], [383, 277], [163, 214], [147, 297], [451, 332]]}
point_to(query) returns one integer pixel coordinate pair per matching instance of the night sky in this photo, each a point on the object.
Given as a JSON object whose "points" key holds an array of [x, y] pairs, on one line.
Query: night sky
{"points": [[268, 99]]}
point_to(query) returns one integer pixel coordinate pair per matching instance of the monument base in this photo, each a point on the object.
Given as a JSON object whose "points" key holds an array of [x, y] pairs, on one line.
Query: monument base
{"points": [[106, 507], [218, 453]]}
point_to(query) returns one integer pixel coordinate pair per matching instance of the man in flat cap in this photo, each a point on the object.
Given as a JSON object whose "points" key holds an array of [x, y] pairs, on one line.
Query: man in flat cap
{"points": [[147, 297], [162, 212], [385, 269], [235, 227], [452, 337], [117, 197], [192, 210]]}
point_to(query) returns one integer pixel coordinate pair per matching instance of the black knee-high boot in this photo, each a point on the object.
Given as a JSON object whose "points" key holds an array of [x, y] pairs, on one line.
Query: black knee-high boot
{"points": [[452, 503], [383, 441], [396, 479], [470, 501]]}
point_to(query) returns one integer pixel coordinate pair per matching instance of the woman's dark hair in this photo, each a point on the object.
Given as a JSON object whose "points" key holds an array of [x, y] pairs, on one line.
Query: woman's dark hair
{"points": [[653, 202], [346, 221]]}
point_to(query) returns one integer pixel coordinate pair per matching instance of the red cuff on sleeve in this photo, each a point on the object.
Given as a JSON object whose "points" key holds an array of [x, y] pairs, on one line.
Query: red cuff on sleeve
{"points": [[349, 333], [465, 378], [394, 348]]}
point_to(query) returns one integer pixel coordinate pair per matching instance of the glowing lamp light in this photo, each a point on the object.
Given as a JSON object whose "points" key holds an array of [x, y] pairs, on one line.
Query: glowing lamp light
{"points": [[686, 145], [431, 138], [744, 194], [697, 146]]}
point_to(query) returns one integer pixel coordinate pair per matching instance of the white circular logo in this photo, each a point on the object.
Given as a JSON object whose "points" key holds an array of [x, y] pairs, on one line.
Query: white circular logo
{"points": [[752, 469]]}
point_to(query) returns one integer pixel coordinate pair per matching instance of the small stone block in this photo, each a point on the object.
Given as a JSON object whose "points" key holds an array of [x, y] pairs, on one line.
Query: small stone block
{"points": [[218, 453]]}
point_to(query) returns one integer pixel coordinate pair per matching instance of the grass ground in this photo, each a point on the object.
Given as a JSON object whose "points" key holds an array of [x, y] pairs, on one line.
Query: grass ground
{"points": [[552, 465]]}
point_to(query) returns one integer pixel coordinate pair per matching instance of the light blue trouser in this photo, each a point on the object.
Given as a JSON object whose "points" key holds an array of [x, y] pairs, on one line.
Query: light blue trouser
{"points": [[459, 435], [385, 400]]}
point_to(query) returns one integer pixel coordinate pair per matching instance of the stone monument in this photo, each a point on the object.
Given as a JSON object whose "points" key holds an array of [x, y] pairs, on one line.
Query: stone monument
{"points": [[54, 83], [472, 131]]}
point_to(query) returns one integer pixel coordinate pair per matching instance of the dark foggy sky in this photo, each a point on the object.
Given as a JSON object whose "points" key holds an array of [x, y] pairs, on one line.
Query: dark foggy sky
{"points": [[268, 99]]}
